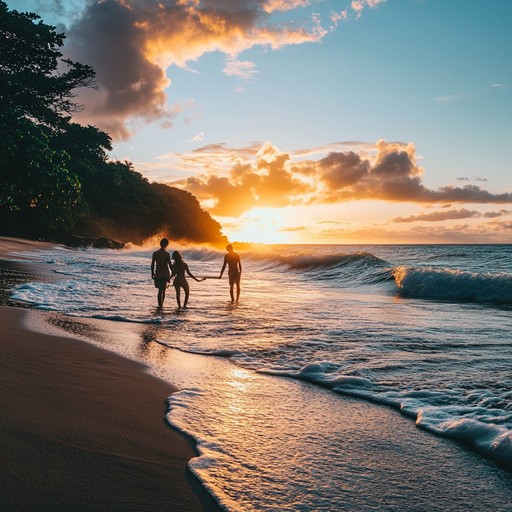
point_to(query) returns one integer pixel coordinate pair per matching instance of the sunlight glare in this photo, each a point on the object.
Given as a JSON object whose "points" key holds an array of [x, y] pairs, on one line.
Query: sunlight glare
{"points": [[260, 225]]}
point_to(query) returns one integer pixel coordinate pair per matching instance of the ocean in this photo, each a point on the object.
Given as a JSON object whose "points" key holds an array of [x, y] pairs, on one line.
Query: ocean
{"points": [[413, 339]]}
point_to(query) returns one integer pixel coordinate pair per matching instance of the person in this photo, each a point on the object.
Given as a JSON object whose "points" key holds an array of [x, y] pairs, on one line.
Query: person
{"points": [[232, 260], [161, 270], [179, 268]]}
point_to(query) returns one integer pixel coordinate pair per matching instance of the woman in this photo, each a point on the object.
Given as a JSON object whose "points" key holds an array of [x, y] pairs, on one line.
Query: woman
{"points": [[179, 267]]}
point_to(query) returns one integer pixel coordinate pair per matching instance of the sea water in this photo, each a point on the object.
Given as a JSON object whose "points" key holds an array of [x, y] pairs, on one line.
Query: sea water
{"points": [[424, 330]]}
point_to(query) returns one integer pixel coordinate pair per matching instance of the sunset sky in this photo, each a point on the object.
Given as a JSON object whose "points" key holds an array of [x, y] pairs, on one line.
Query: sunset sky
{"points": [[309, 121]]}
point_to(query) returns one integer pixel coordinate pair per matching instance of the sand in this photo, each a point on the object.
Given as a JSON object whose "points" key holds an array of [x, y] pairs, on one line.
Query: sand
{"points": [[83, 429]]}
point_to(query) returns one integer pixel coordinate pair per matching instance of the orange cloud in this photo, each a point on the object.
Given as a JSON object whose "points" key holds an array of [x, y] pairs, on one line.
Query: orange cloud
{"points": [[443, 215], [267, 182], [272, 178], [462, 233], [131, 43]]}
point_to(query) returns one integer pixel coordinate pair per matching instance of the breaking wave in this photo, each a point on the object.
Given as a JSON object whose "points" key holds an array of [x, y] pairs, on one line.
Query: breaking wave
{"points": [[453, 285]]}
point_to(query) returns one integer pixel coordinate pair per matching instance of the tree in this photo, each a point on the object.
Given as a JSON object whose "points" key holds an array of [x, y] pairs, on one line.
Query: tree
{"points": [[38, 189], [32, 85]]}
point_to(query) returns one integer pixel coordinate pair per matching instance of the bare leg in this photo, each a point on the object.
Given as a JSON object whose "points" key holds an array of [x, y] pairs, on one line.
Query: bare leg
{"points": [[178, 298], [231, 292], [187, 293], [161, 297], [237, 290]]}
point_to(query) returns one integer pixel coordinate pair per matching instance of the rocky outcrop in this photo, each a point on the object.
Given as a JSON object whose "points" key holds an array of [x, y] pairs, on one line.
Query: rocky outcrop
{"points": [[97, 243]]}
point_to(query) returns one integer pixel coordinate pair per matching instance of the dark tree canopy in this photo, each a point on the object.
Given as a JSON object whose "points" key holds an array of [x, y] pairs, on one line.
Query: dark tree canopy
{"points": [[55, 175], [33, 84]]}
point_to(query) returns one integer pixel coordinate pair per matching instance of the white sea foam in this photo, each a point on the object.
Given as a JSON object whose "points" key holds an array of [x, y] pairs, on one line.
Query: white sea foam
{"points": [[492, 440]]}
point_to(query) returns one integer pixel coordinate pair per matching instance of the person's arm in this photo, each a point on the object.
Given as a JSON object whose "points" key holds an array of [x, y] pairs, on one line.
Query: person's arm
{"points": [[223, 266], [239, 262], [173, 270], [187, 270], [153, 260]]}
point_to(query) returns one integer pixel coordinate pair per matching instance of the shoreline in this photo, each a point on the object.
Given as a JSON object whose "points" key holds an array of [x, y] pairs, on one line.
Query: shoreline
{"points": [[81, 427], [370, 454]]}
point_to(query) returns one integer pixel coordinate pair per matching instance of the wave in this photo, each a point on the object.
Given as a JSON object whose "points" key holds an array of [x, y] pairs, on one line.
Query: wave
{"points": [[219, 352], [158, 320], [314, 262], [453, 285], [348, 268], [477, 426]]}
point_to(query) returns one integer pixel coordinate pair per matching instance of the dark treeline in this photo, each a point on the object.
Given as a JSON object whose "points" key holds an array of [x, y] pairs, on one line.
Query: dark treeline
{"points": [[55, 176]]}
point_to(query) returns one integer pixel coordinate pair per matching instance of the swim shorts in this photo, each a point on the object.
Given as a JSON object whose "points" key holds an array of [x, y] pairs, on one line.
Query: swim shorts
{"points": [[161, 282], [234, 276]]}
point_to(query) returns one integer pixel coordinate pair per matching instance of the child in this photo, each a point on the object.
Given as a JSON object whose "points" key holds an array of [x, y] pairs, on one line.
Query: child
{"points": [[179, 268]]}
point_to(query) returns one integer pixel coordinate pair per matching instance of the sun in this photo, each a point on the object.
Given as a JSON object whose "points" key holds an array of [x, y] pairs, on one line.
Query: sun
{"points": [[259, 225]]}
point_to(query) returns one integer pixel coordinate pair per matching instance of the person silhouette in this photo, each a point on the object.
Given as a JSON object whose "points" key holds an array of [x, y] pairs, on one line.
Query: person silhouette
{"points": [[179, 268], [161, 270], [232, 260]]}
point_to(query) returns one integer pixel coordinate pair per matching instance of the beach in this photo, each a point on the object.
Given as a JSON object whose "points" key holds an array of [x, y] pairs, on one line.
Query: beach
{"points": [[307, 402], [82, 428]]}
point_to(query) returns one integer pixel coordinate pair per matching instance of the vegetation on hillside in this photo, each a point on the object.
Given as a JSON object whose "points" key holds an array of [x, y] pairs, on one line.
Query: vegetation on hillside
{"points": [[55, 175]]}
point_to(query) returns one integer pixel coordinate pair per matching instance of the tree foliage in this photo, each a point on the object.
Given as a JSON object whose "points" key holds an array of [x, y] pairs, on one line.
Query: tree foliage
{"points": [[55, 175], [33, 84]]}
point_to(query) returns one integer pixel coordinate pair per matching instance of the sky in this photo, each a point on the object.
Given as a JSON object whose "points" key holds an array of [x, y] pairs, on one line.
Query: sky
{"points": [[309, 121]]}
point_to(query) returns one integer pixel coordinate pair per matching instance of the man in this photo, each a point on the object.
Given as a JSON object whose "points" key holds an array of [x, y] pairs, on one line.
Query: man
{"points": [[232, 260], [161, 270]]}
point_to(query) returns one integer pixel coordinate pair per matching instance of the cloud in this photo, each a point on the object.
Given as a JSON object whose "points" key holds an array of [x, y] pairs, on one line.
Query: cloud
{"points": [[211, 159], [395, 176], [355, 10], [198, 137], [241, 69], [451, 97], [440, 216], [292, 229], [131, 43], [492, 215], [461, 233], [284, 5], [268, 182], [236, 180], [475, 178], [359, 5], [502, 87], [503, 226], [343, 169]]}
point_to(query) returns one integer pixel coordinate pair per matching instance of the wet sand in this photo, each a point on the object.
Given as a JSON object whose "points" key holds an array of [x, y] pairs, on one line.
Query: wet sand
{"points": [[83, 429]]}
